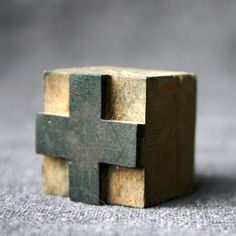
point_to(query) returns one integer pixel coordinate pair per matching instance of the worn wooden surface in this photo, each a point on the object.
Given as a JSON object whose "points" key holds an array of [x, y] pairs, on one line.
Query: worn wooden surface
{"points": [[122, 186], [165, 102], [169, 137], [55, 175]]}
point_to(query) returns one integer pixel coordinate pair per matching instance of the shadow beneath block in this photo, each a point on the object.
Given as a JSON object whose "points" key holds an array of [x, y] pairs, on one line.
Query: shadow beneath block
{"points": [[209, 190]]}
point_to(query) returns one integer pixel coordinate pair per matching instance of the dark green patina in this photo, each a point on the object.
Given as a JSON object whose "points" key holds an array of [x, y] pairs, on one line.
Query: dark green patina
{"points": [[87, 140]]}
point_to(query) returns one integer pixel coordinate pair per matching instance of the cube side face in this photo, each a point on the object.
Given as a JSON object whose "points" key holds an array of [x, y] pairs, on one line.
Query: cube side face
{"points": [[125, 99], [169, 137]]}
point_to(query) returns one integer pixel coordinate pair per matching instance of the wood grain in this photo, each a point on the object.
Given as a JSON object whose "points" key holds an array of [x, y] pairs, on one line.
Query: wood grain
{"points": [[169, 137]]}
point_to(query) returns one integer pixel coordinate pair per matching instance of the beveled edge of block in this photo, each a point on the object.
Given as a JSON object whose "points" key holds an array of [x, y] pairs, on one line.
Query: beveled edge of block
{"points": [[119, 71]]}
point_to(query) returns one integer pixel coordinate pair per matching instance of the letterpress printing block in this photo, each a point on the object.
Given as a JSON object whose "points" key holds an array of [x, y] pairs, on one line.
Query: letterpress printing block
{"points": [[117, 135]]}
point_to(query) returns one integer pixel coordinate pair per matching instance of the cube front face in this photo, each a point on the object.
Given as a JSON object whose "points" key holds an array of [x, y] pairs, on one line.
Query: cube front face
{"points": [[120, 104], [165, 103]]}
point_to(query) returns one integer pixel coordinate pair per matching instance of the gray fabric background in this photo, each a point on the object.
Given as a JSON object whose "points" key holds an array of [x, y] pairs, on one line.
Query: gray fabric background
{"points": [[188, 35]]}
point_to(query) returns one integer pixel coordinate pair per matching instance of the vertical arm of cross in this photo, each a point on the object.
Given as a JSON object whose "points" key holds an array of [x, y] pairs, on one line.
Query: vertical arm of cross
{"points": [[85, 113], [51, 135], [85, 96], [93, 140]]}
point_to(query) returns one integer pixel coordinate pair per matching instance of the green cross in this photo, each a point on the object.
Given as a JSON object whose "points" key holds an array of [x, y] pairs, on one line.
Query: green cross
{"points": [[87, 140]]}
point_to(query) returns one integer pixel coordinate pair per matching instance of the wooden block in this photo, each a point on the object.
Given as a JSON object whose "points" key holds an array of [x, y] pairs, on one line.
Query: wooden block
{"points": [[164, 102]]}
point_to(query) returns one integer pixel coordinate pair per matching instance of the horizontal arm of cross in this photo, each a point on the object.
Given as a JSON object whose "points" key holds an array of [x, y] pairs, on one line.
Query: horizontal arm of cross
{"points": [[51, 135], [122, 142]]}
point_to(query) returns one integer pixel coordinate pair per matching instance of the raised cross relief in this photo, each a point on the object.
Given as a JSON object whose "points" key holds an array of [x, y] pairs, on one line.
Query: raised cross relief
{"points": [[87, 140]]}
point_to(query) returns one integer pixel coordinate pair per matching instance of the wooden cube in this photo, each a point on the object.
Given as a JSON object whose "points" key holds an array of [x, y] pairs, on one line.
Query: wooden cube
{"points": [[163, 102]]}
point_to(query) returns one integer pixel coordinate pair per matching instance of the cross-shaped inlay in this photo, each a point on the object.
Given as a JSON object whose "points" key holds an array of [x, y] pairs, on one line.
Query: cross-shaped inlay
{"points": [[87, 140]]}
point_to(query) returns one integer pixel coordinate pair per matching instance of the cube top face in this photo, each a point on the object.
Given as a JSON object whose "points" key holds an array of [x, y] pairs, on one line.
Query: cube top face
{"points": [[164, 102], [124, 72]]}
